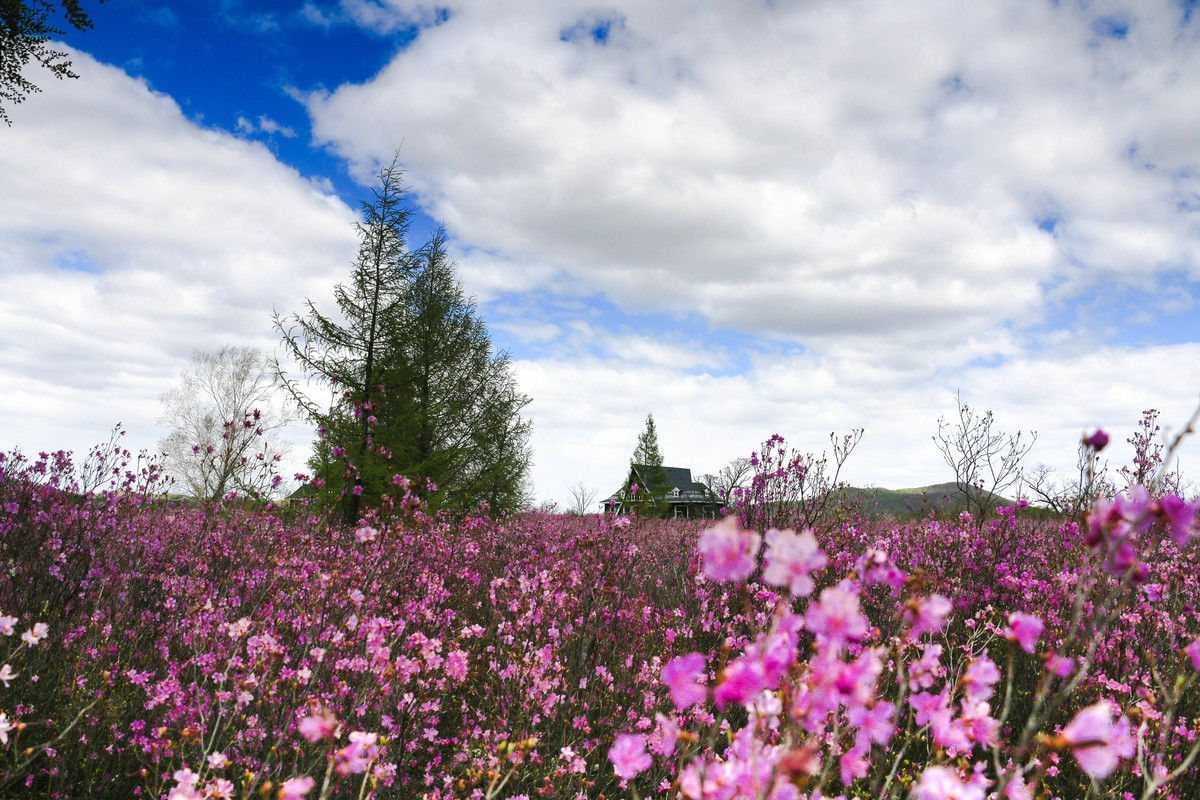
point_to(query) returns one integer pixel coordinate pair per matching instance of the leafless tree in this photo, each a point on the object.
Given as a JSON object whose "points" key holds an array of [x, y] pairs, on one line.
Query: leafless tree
{"points": [[986, 462], [734, 475], [225, 425], [1074, 495], [582, 498]]}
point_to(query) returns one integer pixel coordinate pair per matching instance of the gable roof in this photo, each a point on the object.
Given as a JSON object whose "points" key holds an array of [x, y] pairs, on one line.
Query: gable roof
{"points": [[676, 477]]}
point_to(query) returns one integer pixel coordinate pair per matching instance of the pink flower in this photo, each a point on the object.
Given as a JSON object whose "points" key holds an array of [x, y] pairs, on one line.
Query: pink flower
{"points": [[853, 763], [977, 719], [629, 757], [680, 675], [7, 674], [8, 625], [358, 755], [790, 559], [40, 631], [5, 726], [1024, 629], [836, 617], [929, 616], [1181, 517], [980, 678], [186, 788], [296, 788], [666, 733], [1192, 650], [874, 724], [942, 783], [740, 682], [366, 533], [1060, 665], [1096, 741], [928, 668], [728, 551], [456, 665], [316, 727]]}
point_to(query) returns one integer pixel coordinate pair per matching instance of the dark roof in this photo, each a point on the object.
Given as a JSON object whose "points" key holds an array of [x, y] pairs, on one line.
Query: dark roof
{"points": [[680, 478], [676, 477]]}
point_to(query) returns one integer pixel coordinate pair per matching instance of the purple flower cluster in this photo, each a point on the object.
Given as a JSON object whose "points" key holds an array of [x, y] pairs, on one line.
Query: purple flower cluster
{"points": [[165, 650]]}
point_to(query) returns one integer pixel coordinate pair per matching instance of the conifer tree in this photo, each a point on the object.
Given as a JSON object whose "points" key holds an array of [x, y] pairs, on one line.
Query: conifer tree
{"points": [[648, 460], [419, 392]]}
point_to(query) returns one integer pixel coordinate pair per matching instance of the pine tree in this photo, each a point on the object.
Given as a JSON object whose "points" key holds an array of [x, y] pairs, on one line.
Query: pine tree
{"points": [[648, 461], [419, 391], [647, 451]]}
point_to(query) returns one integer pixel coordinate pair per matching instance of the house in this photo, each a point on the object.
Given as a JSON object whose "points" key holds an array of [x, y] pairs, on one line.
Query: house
{"points": [[683, 497]]}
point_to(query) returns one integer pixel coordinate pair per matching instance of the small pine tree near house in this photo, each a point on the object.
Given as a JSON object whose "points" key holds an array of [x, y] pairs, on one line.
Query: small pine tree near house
{"points": [[648, 461]]}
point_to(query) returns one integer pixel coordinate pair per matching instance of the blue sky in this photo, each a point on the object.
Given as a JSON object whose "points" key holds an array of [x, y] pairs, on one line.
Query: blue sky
{"points": [[768, 217]]}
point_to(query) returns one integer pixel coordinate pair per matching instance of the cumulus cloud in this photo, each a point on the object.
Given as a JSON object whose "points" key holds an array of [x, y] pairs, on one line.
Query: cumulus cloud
{"points": [[129, 237], [799, 169], [589, 411]]}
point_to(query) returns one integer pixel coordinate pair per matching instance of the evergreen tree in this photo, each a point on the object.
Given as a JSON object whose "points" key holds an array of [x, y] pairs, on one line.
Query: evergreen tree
{"points": [[649, 463], [420, 392], [647, 451]]}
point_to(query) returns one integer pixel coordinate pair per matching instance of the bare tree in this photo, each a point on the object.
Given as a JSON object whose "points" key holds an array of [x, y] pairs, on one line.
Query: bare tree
{"points": [[986, 462], [734, 475], [225, 425], [582, 498], [1074, 495]]}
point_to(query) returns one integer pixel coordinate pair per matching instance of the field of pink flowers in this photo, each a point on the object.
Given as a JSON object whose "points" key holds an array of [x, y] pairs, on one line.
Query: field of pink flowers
{"points": [[160, 650]]}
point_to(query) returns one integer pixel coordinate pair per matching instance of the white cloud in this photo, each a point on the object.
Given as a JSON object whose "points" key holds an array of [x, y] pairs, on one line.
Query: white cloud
{"points": [[797, 169], [264, 125], [918, 194], [129, 236], [587, 412]]}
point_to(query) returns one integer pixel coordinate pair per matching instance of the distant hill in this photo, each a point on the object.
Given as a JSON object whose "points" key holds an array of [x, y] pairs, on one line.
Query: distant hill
{"points": [[916, 502]]}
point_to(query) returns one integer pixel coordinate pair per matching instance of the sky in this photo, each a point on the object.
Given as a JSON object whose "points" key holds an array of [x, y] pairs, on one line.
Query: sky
{"points": [[744, 218]]}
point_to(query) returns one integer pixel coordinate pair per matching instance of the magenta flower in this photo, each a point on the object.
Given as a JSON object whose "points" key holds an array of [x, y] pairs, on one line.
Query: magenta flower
{"points": [[629, 757], [1181, 517], [874, 724], [1096, 741], [1024, 629], [680, 675], [1192, 651], [728, 551], [790, 559], [979, 679], [1097, 441], [740, 682], [929, 616], [296, 788], [1060, 665]]}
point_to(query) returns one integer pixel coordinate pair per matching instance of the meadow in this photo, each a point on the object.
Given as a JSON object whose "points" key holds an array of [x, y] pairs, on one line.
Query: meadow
{"points": [[161, 649]]}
